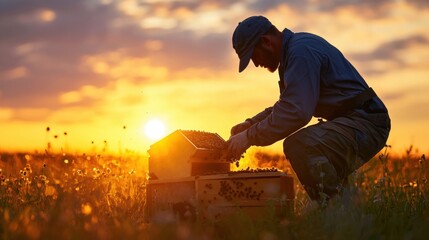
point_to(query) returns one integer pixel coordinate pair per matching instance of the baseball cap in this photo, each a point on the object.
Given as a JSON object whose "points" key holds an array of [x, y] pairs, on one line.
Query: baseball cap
{"points": [[246, 36]]}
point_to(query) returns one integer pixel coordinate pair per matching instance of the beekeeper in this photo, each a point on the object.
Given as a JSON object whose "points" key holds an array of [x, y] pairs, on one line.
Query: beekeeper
{"points": [[315, 80]]}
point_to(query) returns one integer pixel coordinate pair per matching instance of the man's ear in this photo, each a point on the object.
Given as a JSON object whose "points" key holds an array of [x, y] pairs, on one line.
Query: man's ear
{"points": [[266, 41]]}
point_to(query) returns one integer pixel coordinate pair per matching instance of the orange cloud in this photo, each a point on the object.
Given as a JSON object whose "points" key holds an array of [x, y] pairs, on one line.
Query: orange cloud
{"points": [[47, 15], [118, 65], [17, 72]]}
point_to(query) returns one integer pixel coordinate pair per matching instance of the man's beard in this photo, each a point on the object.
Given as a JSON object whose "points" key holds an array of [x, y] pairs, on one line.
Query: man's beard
{"points": [[273, 68]]}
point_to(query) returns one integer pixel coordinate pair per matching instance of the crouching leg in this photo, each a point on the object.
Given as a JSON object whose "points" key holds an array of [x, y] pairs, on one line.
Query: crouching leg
{"points": [[318, 156]]}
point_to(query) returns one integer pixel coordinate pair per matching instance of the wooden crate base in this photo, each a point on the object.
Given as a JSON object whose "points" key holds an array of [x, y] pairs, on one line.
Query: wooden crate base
{"points": [[213, 197]]}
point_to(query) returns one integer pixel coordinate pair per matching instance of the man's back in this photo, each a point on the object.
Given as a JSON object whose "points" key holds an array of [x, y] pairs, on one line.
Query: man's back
{"points": [[337, 79]]}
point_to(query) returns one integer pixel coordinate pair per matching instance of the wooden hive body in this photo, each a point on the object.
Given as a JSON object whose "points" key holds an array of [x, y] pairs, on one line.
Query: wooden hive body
{"points": [[187, 153]]}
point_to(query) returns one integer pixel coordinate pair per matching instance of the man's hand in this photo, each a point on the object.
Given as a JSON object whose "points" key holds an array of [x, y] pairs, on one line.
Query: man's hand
{"points": [[237, 145], [240, 127]]}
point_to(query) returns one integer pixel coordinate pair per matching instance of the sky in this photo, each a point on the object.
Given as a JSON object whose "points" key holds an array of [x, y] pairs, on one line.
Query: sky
{"points": [[96, 71]]}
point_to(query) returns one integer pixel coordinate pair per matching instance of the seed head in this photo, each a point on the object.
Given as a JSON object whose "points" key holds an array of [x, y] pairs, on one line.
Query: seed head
{"points": [[422, 159]]}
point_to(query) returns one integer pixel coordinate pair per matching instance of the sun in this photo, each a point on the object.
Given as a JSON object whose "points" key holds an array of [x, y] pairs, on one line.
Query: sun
{"points": [[154, 129]]}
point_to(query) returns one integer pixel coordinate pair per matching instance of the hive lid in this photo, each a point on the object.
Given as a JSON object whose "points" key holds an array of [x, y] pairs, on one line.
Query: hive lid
{"points": [[204, 140]]}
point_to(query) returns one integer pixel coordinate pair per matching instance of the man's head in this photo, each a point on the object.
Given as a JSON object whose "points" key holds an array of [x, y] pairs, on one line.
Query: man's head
{"points": [[251, 41]]}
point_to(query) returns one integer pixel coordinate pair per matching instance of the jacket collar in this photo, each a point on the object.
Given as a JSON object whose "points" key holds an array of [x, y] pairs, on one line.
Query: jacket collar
{"points": [[287, 35]]}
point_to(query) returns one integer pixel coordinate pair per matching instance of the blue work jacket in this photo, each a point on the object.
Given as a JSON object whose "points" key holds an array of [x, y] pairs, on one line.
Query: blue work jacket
{"points": [[315, 78]]}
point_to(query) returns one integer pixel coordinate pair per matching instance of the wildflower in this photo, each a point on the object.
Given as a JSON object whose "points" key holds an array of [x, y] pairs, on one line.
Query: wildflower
{"points": [[380, 182], [86, 209], [377, 198], [97, 173], [94, 220], [50, 191], [339, 188], [28, 168], [422, 159], [4, 181], [43, 179]]}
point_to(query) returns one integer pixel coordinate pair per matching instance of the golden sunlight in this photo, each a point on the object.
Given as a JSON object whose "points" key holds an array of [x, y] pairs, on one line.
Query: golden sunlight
{"points": [[154, 129]]}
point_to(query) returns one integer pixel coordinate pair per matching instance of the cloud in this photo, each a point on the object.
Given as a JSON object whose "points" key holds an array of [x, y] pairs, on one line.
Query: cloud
{"points": [[366, 8], [419, 3], [187, 51], [45, 43], [390, 49], [50, 50], [390, 55]]}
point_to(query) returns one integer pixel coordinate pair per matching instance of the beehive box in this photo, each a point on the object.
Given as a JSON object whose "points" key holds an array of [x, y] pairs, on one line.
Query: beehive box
{"points": [[186, 153], [213, 197]]}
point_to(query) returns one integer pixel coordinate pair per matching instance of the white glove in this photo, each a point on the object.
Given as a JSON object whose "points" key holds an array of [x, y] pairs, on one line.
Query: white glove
{"points": [[237, 145]]}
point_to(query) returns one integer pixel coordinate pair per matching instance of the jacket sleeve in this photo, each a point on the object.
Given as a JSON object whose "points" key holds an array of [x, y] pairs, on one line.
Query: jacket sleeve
{"points": [[260, 116], [296, 105]]}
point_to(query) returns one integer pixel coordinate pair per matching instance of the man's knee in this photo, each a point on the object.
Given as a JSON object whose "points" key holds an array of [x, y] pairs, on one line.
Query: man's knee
{"points": [[309, 163], [298, 154], [293, 146]]}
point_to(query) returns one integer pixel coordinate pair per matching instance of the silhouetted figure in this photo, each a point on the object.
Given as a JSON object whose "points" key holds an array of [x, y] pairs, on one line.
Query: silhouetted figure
{"points": [[315, 80]]}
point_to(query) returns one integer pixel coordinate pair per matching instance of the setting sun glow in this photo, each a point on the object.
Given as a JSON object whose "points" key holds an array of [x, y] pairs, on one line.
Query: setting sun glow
{"points": [[137, 61], [154, 129]]}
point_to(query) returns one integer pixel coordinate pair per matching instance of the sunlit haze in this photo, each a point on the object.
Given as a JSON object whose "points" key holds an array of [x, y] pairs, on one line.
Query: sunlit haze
{"points": [[154, 129], [101, 70]]}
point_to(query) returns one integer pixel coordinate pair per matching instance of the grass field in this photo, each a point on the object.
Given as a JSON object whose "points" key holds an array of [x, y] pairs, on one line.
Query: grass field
{"points": [[96, 196]]}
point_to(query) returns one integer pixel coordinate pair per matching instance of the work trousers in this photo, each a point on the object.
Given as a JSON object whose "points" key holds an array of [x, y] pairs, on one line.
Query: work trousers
{"points": [[324, 154]]}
